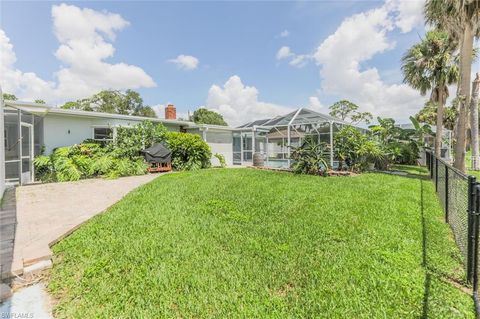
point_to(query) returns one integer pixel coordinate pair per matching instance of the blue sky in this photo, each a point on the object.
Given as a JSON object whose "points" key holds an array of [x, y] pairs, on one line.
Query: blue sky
{"points": [[235, 45]]}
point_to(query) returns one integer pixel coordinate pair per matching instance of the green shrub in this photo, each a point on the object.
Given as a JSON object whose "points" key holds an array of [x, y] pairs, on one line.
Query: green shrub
{"points": [[129, 141], [350, 148], [221, 160], [189, 151], [85, 160], [309, 158]]}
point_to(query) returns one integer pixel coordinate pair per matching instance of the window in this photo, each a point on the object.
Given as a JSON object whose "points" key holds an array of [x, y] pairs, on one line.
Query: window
{"points": [[102, 134]]}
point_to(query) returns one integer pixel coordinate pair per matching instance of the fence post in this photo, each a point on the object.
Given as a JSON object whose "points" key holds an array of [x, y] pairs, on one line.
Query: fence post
{"points": [[446, 193], [436, 174], [470, 232], [475, 239], [431, 165]]}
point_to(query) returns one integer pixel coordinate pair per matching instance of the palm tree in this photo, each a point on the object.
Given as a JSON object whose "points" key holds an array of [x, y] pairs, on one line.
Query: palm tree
{"points": [[461, 18], [474, 123], [430, 65]]}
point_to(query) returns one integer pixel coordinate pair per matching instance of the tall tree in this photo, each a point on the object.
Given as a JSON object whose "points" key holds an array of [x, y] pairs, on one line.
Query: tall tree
{"points": [[474, 123], [430, 65], [110, 101], [204, 116], [428, 115], [348, 111], [461, 18]]}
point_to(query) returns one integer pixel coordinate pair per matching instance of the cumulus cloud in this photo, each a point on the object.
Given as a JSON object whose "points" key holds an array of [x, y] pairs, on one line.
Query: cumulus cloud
{"points": [[297, 60], [408, 14], [314, 103], [283, 53], [358, 39], [23, 84], [85, 38], [185, 62], [239, 103]]}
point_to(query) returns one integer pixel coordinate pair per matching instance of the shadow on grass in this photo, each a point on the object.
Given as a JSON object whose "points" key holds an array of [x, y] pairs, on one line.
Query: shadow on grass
{"points": [[427, 282]]}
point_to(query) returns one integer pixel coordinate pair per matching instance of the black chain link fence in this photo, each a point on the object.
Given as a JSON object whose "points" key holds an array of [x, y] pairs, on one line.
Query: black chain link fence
{"points": [[459, 195]]}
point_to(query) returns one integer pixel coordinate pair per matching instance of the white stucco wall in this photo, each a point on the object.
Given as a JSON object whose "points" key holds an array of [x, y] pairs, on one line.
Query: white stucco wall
{"points": [[64, 130], [2, 148], [221, 142]]}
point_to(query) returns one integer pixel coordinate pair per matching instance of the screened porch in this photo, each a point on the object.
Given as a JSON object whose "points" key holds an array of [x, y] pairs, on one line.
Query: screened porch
{"points": [[274, 138]]}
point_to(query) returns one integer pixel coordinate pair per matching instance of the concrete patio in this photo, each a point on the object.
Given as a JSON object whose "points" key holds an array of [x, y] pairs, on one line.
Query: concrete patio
{"points": [[46, 213]]}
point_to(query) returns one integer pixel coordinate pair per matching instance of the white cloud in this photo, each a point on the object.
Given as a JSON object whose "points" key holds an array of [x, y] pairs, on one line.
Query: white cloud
{"points": [[85, 37], [358, 39], [284, 34], [185, 62], [300, 61], [297, 60], [239, 103], [408, 14], [314, 103], [283, 53], [15, 81]]}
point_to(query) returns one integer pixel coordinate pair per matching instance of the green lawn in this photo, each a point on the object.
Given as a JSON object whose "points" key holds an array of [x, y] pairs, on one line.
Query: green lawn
{"points": [[242, 243]]}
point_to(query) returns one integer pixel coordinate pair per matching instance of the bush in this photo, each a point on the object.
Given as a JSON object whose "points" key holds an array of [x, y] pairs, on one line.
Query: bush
{"points": [[221, 160], [350, 148], [189, 151], [309, 158], [85, 160], [129, 141]]}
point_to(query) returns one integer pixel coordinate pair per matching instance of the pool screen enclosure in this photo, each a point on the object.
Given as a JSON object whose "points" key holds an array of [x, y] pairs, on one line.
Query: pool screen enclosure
{"points": [[274, 138]]}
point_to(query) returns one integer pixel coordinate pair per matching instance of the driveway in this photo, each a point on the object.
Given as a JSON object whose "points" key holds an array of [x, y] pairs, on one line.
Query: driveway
{"points": [[48, 212]]}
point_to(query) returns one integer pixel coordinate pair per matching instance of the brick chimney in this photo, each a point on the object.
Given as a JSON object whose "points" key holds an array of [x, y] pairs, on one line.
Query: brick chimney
{"points": [[170, 112]]}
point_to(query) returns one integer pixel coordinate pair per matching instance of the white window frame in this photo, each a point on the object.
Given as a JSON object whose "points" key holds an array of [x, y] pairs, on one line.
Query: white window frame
{"points": [[113, 129]]}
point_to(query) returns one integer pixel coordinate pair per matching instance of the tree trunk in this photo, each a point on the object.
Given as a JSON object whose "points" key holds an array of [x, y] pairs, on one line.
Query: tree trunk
{"points": [[474, 123], [464, 95], [439, 127]]}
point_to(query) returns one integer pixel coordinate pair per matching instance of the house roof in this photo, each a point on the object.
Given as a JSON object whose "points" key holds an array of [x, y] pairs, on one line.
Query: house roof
{"points": [[299, 116], [44, 109]]}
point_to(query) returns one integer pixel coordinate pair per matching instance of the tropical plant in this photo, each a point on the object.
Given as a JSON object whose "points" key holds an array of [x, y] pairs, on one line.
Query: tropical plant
{"points": [[350, 149], [189, 151], [431, 65], [130, 141], [428, 115], [221, 159], [348, 111], [310, 158], [461, 19], [373, 153], [85, 160]]}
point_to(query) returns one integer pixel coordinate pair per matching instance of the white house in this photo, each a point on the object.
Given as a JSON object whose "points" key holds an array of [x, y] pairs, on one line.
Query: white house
{"points": [[31, 129]]}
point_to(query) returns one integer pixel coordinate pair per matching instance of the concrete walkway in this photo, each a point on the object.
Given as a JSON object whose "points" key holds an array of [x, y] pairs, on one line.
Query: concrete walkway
{"points": [[48, 212]]}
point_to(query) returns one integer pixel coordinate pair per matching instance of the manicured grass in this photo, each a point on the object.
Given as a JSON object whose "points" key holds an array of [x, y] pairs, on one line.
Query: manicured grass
{"points": [[411, 169], [232, 243], [468, 165]]}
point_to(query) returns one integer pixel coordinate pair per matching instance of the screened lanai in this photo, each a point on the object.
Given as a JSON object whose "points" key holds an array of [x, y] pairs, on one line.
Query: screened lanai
{"points": [[274, 138], [22, 141]]}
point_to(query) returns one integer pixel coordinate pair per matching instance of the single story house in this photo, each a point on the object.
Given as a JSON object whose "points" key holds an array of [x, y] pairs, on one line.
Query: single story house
{"points": [[31, 129]]}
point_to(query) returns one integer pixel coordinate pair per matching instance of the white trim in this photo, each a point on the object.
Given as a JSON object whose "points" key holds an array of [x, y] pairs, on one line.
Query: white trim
{"points": [[105, 127]]}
